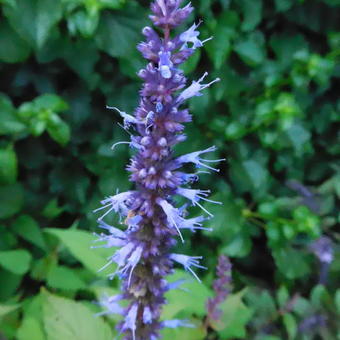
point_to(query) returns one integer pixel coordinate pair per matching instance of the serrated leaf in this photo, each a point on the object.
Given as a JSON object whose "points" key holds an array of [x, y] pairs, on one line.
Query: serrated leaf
{"points": [[32, 309], [29, 329], [6, 309], [28, 229], [196, 332], [15, 261], [251, 175], [291, 263], [79, 243], [62, 277], [66, 319], [234, 319], [118, 34], [189, 301]]}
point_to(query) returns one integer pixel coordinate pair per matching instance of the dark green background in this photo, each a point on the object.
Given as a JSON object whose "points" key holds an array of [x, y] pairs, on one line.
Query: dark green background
{"points": [[273, 117]]}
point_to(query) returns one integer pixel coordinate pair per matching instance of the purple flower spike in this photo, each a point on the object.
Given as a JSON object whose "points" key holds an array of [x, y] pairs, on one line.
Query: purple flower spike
{"points": [[151, 222], [221, 288]]}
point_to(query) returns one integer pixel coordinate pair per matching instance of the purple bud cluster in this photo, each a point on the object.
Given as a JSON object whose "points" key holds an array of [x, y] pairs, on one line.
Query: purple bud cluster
{"points": [[221, 288], [143, 258]]}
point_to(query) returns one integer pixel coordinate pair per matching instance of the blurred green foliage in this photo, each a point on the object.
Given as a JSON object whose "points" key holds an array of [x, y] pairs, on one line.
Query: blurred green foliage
{"points": [[273, 116]]}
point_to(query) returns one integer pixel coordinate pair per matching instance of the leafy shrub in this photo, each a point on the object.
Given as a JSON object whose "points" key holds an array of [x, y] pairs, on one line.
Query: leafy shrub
{"points": [[273, 116]]}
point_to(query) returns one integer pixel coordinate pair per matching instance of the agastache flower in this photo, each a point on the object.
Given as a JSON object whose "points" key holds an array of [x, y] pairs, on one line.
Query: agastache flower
{"points": [[221, 288], [187, 262], [151, 221], [194, 90], [165, 64], [111, 305], [191, 35], [194, 157]]}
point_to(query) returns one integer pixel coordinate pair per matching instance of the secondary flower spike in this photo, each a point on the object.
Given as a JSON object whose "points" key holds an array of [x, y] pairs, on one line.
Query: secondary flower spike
{"points": [[151, 222]]}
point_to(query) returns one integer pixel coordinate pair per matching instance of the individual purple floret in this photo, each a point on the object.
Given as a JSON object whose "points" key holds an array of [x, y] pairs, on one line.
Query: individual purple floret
{"points": [[143, 256], [221, 288], [323, 250]]}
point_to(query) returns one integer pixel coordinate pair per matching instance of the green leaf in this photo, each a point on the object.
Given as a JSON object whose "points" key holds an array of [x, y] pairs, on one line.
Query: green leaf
{"points": [[252, 12], [337, 300], [32, 324], [282, 296], [40, 17], [79, 243], [189, 301], [256, 172], [118, 34], [283, 5], [251, 51], [51, 102], [8, 166], [9, 284], [220, 47], [58, 130], [15, 261], [84, 66], [234, 236], [285, 46], [8, 2], [291, 325], [66, 319], [263, 304], [29, 329], [26, 227], [41, 114], [83, 22], [9, 123], [11, 198], [197, 332], [62, 277], [302, 307], [6, 309], [112, 4], [250, 175], [234, 318], [291, 263], [191, 64], [298, 136], [235, 130], [12, 48], [319, 296], [52, 209]]}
